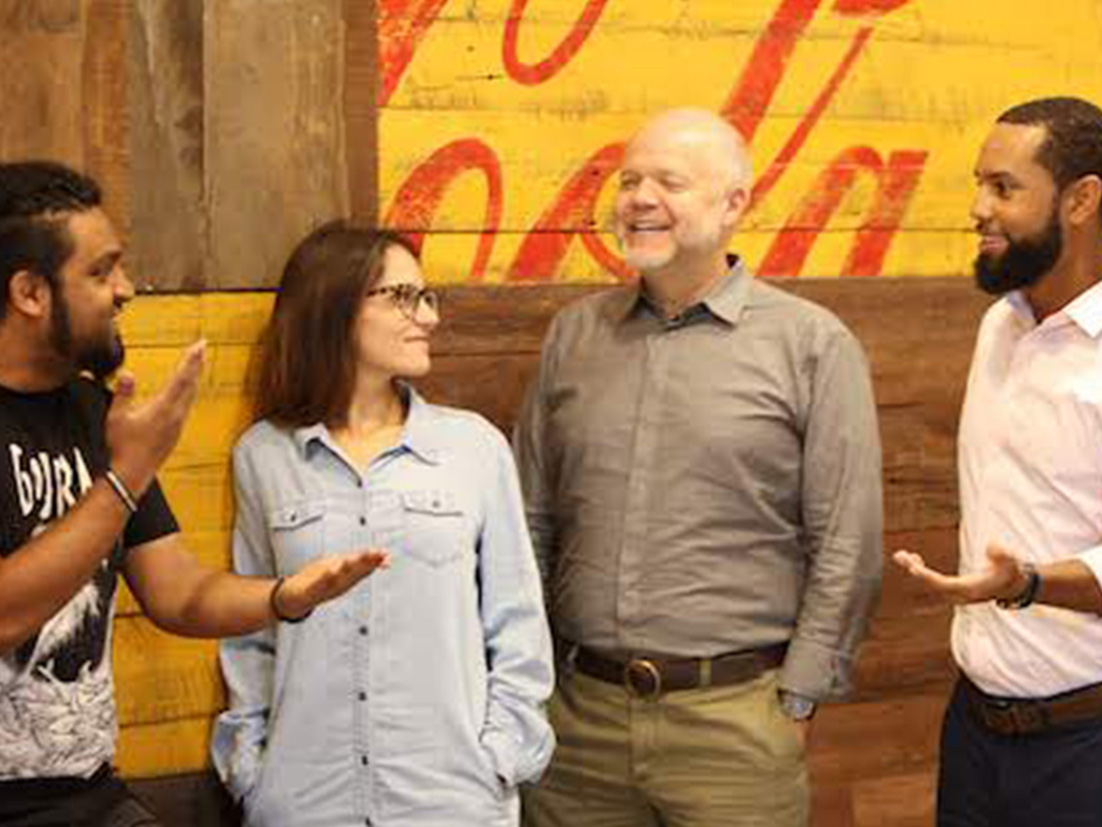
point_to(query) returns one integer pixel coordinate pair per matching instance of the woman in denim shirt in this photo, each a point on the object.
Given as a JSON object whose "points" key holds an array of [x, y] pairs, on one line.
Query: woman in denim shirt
{"points": [[416, 699]]}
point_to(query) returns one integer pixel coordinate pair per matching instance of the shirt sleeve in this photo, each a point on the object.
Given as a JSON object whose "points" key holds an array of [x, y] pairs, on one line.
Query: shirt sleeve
{"points": [[516, 733], [1092, 559], [248, 662], [531, 448], [153, 519], [842, 517]]}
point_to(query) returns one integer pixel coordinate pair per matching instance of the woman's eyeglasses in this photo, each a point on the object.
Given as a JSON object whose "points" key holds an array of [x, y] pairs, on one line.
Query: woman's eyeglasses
{"points": [[408, 298]]}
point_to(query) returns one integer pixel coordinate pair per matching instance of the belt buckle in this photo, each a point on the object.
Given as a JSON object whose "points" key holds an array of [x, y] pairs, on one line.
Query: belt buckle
{"points": [[645, 669], [1014, 717], [1027, 718]]}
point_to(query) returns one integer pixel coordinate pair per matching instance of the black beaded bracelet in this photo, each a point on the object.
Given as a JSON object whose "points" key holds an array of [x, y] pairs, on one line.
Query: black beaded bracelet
{"points": [[1028, 594], [275, 606]]}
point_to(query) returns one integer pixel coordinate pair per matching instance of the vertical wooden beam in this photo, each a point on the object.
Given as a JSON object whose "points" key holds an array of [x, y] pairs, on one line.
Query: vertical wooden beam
{"points": [[41, 80], [274, 162], [361, 91], [166, 144], [105, 114]]}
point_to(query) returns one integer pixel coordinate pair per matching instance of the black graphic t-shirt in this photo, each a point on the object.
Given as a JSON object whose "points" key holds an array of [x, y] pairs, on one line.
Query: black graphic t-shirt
{"points": [[57, 700]]}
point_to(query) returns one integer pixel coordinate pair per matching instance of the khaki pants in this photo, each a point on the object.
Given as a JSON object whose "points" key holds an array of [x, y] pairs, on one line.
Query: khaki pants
{"points": [[717, 757]]}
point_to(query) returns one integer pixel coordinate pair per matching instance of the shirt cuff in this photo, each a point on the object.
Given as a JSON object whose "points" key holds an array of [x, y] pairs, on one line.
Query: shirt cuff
{"points": [[815, 671], [236, 752], [503, 755], [796, 706], [1092, 559]]}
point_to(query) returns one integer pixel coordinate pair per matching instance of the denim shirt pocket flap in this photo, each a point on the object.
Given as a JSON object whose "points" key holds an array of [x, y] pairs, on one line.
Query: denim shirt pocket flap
{"points": [[295, 515], [295, 531], [442, 503], [434, 528]]}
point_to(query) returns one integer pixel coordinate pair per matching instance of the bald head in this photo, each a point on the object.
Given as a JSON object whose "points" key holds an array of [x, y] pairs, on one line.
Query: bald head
{"points": [[704, 134], [684, 185]]}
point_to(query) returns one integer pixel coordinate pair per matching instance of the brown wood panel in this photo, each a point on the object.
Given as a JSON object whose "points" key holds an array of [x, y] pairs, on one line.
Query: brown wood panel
{"points": [[861, 753], [361, 113], [274, 152], [864, 740], [165, 69], [41, 79], [105, 123], [895, 801]]}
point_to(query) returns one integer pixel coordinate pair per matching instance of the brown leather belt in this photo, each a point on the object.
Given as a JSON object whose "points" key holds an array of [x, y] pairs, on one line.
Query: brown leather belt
{"points": [[647, 677], [1028, 716]]}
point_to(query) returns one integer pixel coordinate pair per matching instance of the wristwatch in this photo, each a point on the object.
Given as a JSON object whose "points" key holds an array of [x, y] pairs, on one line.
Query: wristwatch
{"points": [[795, 706], [1028, 593]]}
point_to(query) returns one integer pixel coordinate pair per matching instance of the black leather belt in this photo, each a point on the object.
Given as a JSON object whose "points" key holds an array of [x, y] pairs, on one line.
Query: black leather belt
{"points": [[648, 676], [1028, 716]]}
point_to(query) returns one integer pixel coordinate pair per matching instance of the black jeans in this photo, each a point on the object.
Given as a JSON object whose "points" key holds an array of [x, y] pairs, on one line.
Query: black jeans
{"points": [[100, 801], [1050, 779]]}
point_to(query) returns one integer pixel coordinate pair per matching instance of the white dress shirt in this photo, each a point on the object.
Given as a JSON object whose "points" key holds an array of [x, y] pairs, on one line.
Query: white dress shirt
{"points": [[1030, 466]]}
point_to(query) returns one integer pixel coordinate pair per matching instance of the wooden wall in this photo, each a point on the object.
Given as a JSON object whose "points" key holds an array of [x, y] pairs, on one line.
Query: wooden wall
{"points": [[872, 759], [492, 129], [224, 129]]}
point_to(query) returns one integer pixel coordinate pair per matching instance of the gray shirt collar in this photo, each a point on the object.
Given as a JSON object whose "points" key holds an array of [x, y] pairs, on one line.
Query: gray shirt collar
{"points": [[725, 302]]}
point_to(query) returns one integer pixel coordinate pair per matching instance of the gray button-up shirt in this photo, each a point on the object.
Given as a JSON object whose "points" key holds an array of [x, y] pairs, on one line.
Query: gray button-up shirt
{"points": [[708, 483]]}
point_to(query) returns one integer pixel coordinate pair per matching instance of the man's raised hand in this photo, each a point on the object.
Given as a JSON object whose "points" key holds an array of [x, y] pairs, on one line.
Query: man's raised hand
{"points": [[140, 437]]}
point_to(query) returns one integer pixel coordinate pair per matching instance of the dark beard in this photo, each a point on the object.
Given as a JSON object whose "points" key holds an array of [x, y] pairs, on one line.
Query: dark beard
{"points": [[1024, 262], [101, 359]]}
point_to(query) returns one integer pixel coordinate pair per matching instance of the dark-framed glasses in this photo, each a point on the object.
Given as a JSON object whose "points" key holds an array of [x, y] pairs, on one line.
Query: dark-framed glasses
{"points": [[408, 298]]}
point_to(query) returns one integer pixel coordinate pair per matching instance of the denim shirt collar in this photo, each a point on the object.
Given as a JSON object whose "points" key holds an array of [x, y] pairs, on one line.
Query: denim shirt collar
{"points": [[419, 437]]}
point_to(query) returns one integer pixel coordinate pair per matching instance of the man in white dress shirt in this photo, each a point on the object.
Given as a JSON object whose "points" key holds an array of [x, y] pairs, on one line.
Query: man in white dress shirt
{"points": [[1022, 737]]}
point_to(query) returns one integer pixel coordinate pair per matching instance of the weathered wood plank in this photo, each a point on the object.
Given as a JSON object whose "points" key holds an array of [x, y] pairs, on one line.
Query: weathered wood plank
{"points": [[904, 729], [166, 144], [361, 111], [165, 748], [163, 677], [898, 801], [889, 315], [41, 80], [105, 117], [274, 146]]}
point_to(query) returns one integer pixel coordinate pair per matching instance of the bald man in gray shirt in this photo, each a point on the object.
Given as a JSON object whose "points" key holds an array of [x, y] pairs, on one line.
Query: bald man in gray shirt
{"points": [[701, 467]]}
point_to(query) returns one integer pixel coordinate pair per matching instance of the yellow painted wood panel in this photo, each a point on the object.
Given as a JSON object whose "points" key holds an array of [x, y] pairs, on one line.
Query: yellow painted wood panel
{"points": [[926, 78], [162, 677], [167, 748]]}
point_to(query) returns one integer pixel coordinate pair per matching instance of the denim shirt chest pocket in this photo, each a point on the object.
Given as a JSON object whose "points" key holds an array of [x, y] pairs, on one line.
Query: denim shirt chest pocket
{"points": [[437, 529], [297, 534]]}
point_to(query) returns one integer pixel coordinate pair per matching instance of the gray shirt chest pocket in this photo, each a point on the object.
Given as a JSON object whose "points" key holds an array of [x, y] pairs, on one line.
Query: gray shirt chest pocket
{"points": [[435, 528], [296, 531]]}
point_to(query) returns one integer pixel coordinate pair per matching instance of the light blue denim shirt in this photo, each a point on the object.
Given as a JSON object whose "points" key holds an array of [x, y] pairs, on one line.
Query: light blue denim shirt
{"points": [[417, 698]]}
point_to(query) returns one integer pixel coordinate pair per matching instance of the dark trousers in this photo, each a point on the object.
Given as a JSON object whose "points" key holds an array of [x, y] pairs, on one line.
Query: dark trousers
{"points": [[1050, 779], [100, 801]]}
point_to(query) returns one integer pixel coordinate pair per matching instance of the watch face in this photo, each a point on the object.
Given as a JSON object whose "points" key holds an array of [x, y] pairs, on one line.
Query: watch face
{"points": [[797, 707]]}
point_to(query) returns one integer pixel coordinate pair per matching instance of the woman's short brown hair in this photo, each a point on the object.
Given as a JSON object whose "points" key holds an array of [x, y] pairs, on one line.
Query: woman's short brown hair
{"points": [[306, 362]]}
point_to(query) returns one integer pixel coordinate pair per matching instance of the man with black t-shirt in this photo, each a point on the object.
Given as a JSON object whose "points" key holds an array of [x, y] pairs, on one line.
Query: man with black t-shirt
{"points": [[79, 504]]}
